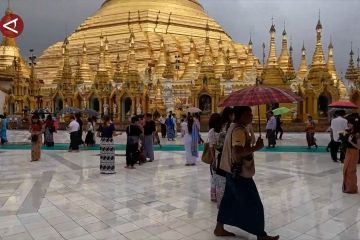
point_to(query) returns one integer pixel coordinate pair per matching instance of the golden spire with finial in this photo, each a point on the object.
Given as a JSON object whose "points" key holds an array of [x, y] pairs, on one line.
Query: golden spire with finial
{"points": [[228, 74], [250, 59], [318, 57], [283, 59], [161, 63], [118, 74], [290, 72], [272, 59], [107, 57], [85, 71], [78, 79], [303, 68], [66, 76], [102, 73], [330, 61], [220, 59], [351, 72], [191, 67], [169, 68]]}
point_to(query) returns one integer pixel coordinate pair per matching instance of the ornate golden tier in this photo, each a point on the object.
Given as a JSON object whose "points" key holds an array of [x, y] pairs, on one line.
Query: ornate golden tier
{"points": [[175, 22]]}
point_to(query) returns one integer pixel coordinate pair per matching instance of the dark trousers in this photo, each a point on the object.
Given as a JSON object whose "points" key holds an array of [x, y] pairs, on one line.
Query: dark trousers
{"points": [[74, 141], [334, 150], [132, 154], [279, 130], [271, 137]]}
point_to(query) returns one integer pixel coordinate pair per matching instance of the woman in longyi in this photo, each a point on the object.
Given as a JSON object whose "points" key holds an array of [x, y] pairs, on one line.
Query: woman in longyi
{"points": [[352, 140]]}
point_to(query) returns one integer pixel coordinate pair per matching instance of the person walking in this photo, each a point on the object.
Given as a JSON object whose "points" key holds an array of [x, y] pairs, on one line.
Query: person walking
{"points": [[90, 133], [133, 133], [106, 132], [241, 205], [3, 130], [163, 126], [49, 131], [191, 142], [213, 140], [338, 126], [278, 127], [352, 139], [80, 132], [310, 132], [170, 128], [73, 130], [36, 131], [270, 129], [149, 134]]}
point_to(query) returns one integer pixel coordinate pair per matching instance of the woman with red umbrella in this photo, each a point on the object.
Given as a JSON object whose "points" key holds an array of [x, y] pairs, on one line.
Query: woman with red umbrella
{"points": [[241, 205]]}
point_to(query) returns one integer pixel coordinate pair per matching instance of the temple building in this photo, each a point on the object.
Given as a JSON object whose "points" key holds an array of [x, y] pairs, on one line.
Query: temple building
{"points": [[140, 56]]}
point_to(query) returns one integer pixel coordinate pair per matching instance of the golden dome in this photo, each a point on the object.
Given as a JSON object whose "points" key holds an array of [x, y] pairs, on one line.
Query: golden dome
{"points": [[174, 21]]}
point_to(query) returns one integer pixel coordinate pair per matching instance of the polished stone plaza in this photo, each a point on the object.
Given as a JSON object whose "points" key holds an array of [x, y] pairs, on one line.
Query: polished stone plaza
{"points": [[63, 196]]}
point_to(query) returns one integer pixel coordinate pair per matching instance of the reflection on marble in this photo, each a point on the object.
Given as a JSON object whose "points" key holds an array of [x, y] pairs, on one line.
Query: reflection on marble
{"points": [[63, 196]]}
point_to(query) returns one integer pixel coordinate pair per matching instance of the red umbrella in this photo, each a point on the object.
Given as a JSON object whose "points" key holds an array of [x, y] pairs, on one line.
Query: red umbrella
{"points": [[343, 104], [259, 95]]}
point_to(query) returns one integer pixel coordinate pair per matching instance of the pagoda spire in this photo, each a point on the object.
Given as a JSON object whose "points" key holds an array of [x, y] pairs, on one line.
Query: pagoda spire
{"points": [[169, 69], [118, 74], [303, 68], [220, 59], [290, 73], [207, 64], [318, 57], [272, 59], [102, 74], [250, 59], [107, 57], [85, 71], [351, 72], [78, 79], [191, 67], [330, 61], [161, 63], [66, 76], [228, 74], [131, 68], [283, 59]]}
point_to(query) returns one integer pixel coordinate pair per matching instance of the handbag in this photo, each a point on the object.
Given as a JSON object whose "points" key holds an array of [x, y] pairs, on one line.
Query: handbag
{"points": [[34, 138], [207, 156], [244, 168]]}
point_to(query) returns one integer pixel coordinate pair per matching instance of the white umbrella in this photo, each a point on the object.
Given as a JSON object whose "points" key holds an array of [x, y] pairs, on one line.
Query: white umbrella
{"points": [[193, 110]]}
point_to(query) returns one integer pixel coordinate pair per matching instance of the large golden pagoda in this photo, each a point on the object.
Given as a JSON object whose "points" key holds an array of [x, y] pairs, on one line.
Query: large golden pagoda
{"points": [[144, 40]]}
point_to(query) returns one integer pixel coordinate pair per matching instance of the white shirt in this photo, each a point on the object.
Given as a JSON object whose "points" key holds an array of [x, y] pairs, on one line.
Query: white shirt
{"points": [[271, 124], [338, 125], [73, 126]]}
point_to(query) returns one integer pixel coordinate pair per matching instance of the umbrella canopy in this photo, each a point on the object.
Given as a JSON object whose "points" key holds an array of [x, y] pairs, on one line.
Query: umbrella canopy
{"points": [[90, 112], [280, 111], [41, 111], [69, 110], [343, 104], [193, 110], [259, 95]]}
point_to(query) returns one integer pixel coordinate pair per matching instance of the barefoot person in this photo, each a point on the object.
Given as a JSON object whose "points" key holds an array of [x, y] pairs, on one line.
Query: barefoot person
{"points": [[241, 205]]}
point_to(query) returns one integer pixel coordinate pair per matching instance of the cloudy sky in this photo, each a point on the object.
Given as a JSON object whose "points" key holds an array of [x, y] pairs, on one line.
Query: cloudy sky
{"points": [[48, 21]]}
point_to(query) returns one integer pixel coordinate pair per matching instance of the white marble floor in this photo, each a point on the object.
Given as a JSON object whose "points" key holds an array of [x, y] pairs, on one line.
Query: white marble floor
{"points": [[63, 196]]}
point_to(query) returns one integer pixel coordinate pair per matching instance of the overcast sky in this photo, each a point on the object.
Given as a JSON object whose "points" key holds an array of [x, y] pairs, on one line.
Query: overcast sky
{"points": [[48, 21]]}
